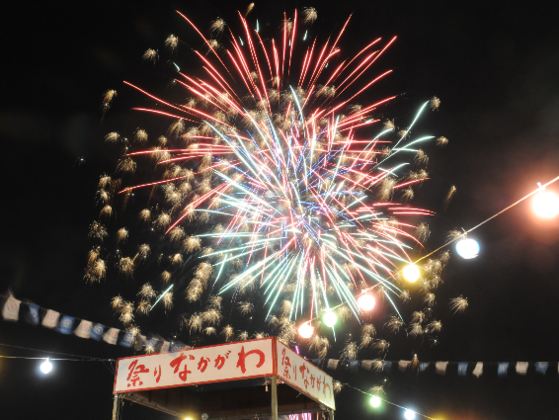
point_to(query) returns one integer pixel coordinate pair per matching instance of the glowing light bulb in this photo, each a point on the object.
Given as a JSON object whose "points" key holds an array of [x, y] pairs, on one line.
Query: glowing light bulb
{"points": [[411, 273], [330, 318], [306, 330], [545, 204], [409, 415], [375, 401], [467, 248], [366, 302], [46, 367]]}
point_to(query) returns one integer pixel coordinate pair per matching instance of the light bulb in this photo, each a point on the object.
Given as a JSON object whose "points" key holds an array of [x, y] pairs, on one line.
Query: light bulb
{"points": [[46, 366], [545, 204], [366, 302], [375, 401], [467, 248], [306, 330], [411, 273], [409, 415], [330, 318]]}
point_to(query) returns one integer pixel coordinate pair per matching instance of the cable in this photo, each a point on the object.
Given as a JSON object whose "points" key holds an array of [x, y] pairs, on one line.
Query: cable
{"points": [[76, 356], [388, 402], [490, 218]]}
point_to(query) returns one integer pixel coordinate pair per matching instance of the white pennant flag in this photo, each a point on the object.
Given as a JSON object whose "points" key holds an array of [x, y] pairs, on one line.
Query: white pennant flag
{"points": [[51, 319], [478, 370], [440, 367], [111, 336], [10, 312], [367, 364], [332, 364], [403, 365], [140, 342], [84, 329], [521, 368], [165, 347]]}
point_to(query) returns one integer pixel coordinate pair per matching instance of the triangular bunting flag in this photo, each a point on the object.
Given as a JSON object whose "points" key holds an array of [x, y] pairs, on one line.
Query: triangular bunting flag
{"points": [[164, 347], [32, 314], [333, 364], [84, 329], [462, 368], [10, 312], [353, 365], [521, 368], [386, 366], [127, 339], [65, 325], [97, 331], [541, 367], [423, 366], [478, 370], [140, 342], [111, 336], [441, 367], [403, 365], [503, 368], [51, 319]]}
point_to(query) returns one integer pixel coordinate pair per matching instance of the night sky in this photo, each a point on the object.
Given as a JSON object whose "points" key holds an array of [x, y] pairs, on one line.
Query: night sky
{"points": [[495, 68]]}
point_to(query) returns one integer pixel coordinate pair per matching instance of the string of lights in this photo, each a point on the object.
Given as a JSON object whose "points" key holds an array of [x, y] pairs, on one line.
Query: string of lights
{"points": [[376, 402], [545, 206]]}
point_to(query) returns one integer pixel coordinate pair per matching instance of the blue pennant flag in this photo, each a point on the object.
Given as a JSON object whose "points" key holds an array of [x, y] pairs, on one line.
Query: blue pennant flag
{"points": [[423, 366], [462, 368], [386, 366], [503, 368], [66, 324], [97, 331], [151, 345], [353, 365], [316, 362], [32, 315], [127, 339], [541, 367], [177, 346]]}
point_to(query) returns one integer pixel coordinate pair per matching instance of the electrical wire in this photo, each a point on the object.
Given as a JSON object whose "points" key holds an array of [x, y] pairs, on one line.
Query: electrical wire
{"points": [[540, 188], [74, 357]]}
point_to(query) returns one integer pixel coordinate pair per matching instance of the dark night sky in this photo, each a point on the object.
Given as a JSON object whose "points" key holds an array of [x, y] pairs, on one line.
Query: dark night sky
{"points": [[495, 69]]}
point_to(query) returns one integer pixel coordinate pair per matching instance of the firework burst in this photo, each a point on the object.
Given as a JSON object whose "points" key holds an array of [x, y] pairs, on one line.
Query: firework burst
{"points": [[270, 186]]}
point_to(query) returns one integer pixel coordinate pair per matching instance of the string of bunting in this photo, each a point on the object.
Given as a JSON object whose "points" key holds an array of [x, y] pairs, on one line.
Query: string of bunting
{"points": [[475, 368], [14, 309]]}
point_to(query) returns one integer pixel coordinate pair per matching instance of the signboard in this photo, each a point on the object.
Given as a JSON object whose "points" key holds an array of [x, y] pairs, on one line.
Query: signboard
{"points": [[304, 376], [225, 362]]}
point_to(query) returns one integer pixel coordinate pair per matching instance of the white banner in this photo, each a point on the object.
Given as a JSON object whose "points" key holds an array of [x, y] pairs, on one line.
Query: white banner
{"points": [[304, 376], [224, 362]]}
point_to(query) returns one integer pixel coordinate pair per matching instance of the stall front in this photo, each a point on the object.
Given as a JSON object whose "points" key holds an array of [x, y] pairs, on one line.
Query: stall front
{"points": [[247, 379]]}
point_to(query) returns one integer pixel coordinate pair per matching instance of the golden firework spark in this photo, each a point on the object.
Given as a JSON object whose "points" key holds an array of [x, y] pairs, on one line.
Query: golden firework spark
{"points": [[217, 26], [245, 308], [309, 15], [458, 304], [150, 55], [435, 103], [121, 236], [451, 193], [147, 291], [172, 42], [442, 141], [112, 137], [211, 317], [394, 324], [228, 332]]}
